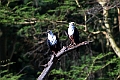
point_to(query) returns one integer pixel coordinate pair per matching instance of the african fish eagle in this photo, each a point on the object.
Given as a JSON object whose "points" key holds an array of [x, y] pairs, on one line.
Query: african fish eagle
{"points": [[53, 42], [73, 34]]}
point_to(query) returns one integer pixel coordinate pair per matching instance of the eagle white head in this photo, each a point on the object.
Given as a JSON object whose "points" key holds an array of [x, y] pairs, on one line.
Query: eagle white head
{"points": [[71, 24], [49, 32]]}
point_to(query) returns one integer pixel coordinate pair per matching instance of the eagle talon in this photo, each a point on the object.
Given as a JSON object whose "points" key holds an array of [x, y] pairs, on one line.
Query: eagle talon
{"points": [[54, 55], [70, 45], [74, 44]]}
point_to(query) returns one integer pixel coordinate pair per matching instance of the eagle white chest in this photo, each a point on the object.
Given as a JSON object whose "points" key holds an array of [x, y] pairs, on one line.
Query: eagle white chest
{"points": [[52, 39], [70, 30]]}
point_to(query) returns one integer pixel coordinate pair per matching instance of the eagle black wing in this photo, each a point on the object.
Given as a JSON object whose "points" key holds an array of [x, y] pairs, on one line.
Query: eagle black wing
{"points": [[58, 43], [76, 36]]}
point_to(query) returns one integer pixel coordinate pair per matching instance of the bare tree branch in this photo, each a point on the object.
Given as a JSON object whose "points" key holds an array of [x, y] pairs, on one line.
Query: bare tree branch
{"points": [[50, 65], [77, 3]]}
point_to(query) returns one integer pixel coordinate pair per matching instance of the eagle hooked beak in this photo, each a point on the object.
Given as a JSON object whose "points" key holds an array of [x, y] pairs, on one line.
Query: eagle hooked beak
{"points": [[48, 31], [72, 23]]}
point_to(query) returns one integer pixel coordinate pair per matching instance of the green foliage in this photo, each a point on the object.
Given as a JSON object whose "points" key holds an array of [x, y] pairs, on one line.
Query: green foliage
{"points": [[8, 76], [60, 71], [17, 14], [24, 31], [116, 70], [86, 70]]}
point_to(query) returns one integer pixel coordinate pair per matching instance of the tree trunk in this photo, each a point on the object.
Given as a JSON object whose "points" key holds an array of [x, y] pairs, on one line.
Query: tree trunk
{"points": [[3, 45], [118, 9], [107, 26]]}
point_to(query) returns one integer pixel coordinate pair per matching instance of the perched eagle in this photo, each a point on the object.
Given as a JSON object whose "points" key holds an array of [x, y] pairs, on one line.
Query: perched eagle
{"points": [[73, 34], [53, 42]]}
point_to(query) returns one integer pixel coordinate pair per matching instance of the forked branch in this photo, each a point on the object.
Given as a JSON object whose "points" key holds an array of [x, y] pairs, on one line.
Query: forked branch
{"points": [[49, 66]]}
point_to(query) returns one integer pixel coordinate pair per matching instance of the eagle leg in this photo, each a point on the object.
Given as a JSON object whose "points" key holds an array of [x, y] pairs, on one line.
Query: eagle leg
{"points": [[72, 40], [54, 53]]}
